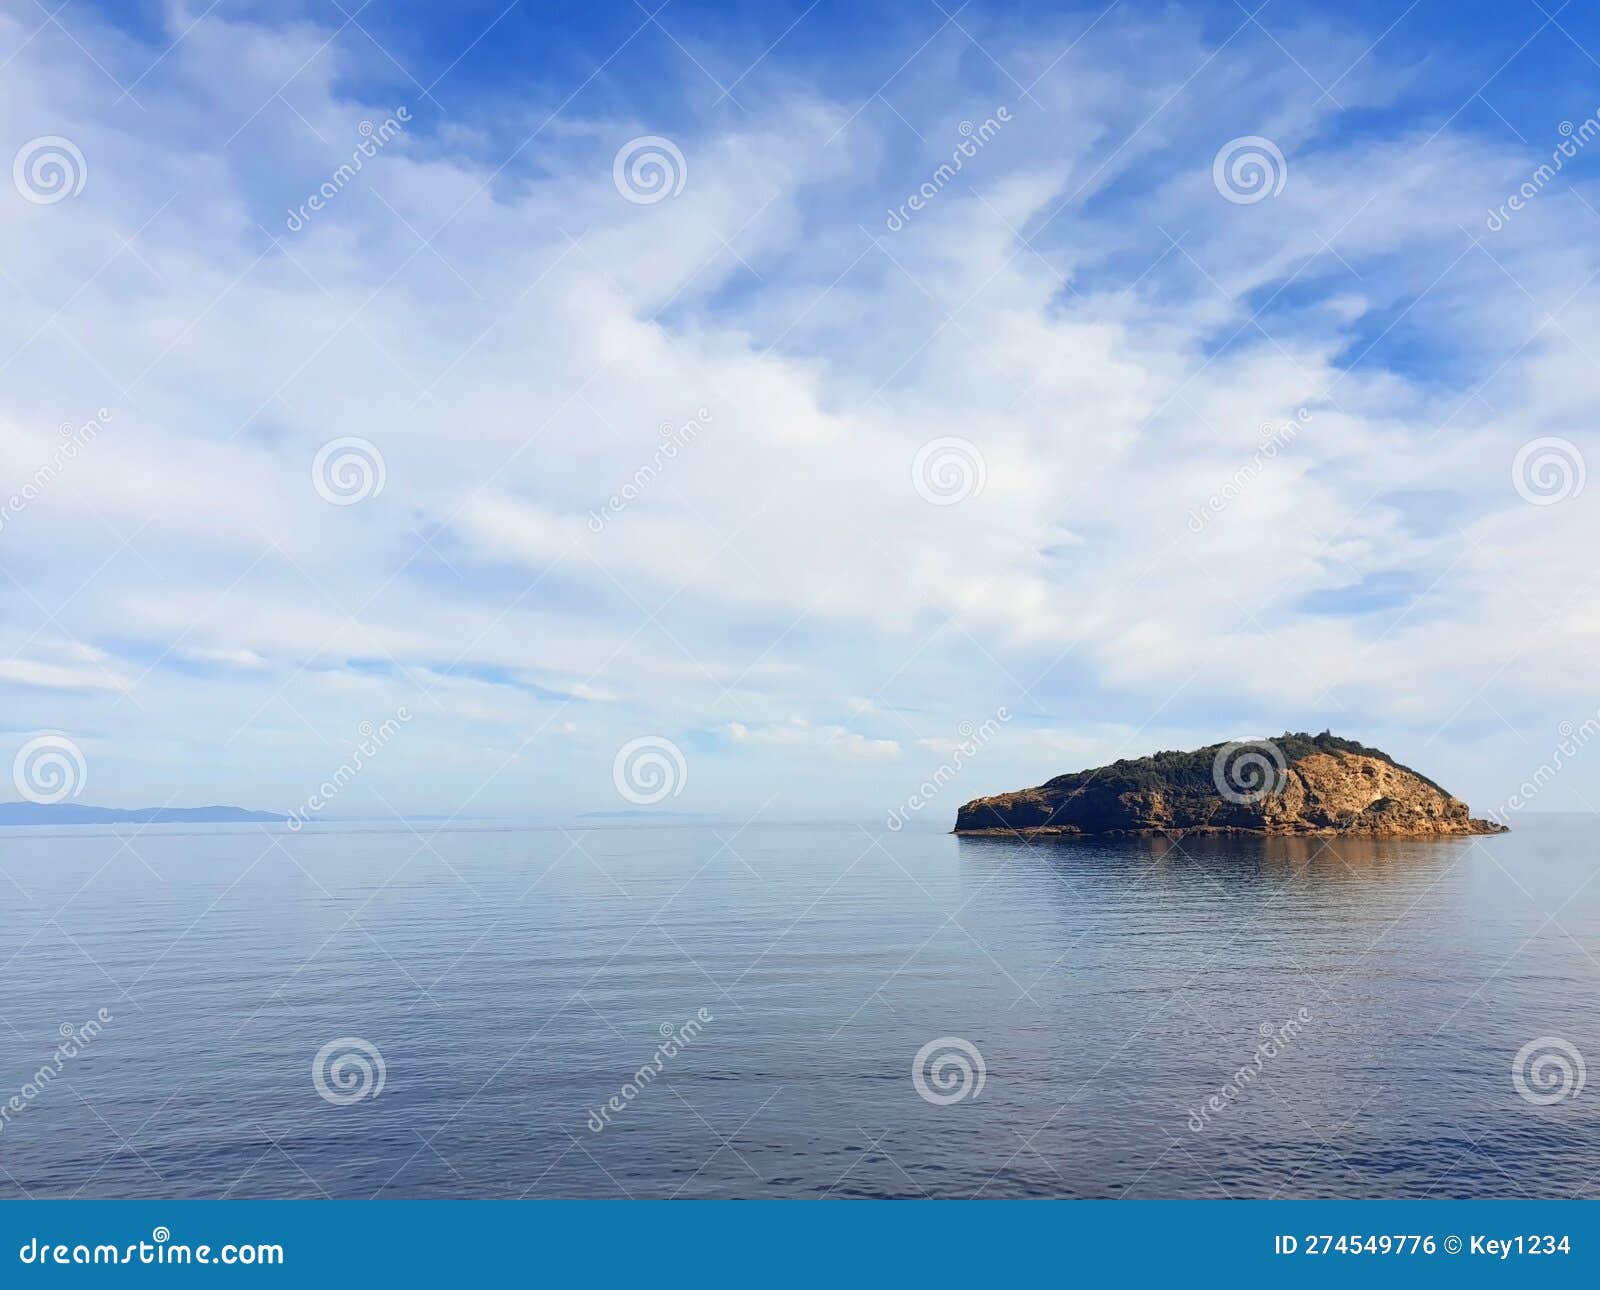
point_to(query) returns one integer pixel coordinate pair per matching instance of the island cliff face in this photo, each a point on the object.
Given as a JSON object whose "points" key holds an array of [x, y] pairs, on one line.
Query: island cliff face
{"points": [[1293, 784]]}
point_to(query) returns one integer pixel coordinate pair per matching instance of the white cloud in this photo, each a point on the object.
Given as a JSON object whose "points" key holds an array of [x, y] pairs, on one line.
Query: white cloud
{"points": [[799, 734], [781, 581], [58, 676], [242, 658]]}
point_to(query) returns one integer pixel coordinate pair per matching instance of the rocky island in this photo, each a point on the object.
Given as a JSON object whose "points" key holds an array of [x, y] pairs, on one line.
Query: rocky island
{"points": [[1293, 784]]}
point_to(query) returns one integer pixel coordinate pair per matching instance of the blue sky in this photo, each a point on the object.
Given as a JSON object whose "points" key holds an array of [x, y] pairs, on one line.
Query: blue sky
{"points": [[1092, 429]]}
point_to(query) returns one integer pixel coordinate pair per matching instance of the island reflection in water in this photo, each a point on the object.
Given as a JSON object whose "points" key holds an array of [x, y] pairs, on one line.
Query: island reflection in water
{"points": [[514, 983]]}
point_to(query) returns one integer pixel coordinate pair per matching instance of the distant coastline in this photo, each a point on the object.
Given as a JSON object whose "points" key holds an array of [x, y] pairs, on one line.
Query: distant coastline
{"points": [[35, 813]]}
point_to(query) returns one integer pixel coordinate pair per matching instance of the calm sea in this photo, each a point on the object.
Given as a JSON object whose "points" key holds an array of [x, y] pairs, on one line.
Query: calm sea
{"points": [[756, 1003]]}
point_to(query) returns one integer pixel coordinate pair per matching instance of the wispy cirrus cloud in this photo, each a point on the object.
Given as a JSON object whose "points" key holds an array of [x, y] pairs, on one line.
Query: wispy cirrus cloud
{"points": [[509, 333]]}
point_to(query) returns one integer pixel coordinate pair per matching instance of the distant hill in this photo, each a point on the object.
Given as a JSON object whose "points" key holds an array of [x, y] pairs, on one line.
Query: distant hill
{"points": [[73, 813]]}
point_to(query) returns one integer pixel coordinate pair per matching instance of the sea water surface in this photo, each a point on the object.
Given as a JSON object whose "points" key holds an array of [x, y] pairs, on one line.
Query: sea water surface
{"points": [[513, 981]]}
